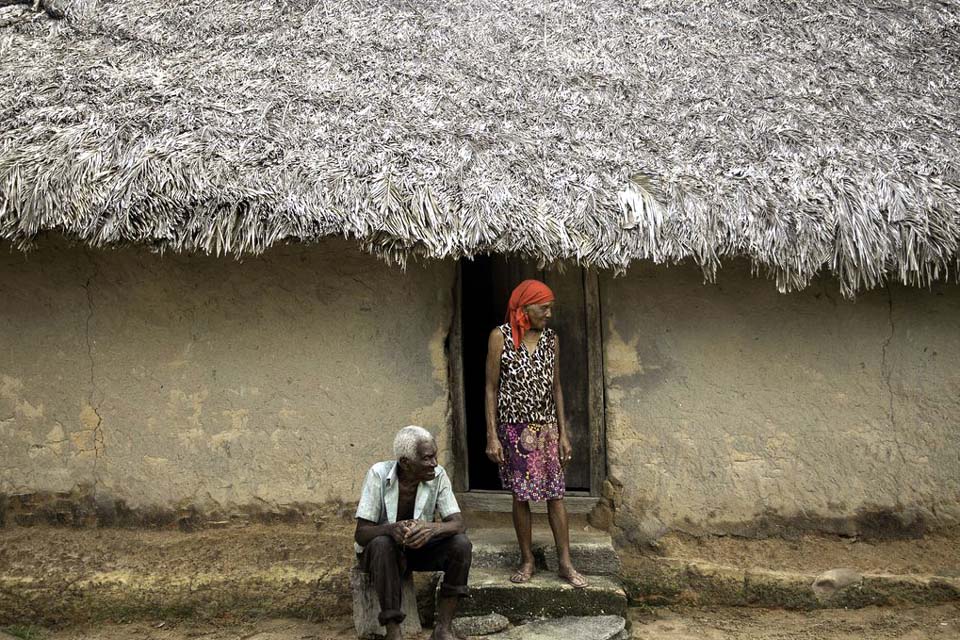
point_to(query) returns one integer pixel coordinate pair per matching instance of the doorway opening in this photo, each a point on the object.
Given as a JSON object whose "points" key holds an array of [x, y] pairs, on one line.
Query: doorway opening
{"points": [[485, 284]]}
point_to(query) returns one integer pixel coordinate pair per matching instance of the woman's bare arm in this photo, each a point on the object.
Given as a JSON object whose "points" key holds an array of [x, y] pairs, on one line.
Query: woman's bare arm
{"points": [[494, 351]]}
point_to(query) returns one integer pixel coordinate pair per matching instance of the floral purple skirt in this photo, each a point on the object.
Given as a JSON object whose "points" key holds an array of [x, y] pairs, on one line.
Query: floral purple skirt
{"points": [[532, 470]]}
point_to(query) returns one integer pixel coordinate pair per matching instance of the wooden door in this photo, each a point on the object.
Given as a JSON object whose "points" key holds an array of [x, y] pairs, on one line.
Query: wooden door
{"points": [[486, 284]]}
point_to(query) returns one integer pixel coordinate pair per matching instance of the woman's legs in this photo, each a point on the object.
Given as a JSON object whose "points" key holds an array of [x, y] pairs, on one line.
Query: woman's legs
{"points": [[522, 524], [557, 514]]}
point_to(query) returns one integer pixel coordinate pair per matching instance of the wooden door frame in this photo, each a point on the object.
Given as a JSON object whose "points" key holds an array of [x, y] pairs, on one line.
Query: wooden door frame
{"points": [[595, 394], [458, 407], [596, 401]]}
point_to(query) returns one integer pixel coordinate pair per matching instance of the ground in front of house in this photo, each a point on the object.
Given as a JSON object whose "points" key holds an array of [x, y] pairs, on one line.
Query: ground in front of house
{"points": [[261, 582], [901, 623]]}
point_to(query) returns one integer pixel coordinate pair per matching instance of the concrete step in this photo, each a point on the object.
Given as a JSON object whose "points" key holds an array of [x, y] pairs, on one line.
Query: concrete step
{"points": [[569, 628], [545, 596], [591, 550]]}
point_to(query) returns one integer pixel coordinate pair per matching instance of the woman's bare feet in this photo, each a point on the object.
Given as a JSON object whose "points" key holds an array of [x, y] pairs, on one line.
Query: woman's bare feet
{"points": [[523, 573], [573, 577]]}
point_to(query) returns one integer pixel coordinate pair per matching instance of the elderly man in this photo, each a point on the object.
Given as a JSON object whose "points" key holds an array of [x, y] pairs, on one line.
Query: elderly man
{"points": [[396, 531]]}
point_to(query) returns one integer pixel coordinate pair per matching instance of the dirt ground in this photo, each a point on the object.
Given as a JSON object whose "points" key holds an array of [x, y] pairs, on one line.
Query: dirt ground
{"points": [[299, 570], [42, 551], [901, 623]]}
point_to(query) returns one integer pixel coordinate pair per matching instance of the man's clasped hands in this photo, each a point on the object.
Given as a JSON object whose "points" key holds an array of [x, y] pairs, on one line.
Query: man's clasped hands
{"points": [[413, 534]]}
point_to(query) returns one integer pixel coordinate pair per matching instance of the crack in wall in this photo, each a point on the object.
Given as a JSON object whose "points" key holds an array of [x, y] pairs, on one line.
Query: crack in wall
{"points": [[886, 371], [93, 391]]}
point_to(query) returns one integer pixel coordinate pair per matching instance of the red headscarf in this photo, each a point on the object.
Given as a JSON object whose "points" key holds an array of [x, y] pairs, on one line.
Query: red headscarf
{"points": [[527, 292]]}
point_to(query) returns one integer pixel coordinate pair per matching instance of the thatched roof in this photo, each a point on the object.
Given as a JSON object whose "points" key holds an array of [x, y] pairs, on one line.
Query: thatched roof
{"points": [[803, 135]]}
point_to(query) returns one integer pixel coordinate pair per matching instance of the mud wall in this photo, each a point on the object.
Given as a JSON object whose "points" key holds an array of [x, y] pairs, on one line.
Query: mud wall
{"points": [[732, 408], [134, 381]]}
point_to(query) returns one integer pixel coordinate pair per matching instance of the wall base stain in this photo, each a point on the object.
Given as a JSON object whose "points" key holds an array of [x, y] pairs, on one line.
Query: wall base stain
{"points": [[84, 508], [869, 523]]}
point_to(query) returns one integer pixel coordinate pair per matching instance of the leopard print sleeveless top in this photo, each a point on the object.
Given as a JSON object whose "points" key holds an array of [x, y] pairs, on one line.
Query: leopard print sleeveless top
{"points": [[526, 380]]}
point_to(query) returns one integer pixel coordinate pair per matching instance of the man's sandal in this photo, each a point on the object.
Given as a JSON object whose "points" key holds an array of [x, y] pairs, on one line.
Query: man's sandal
{"points": [[521, 576], [575, 580]]}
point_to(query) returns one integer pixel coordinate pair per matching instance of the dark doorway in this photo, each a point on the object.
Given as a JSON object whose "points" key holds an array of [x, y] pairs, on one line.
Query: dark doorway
{"points": [[486, 285]]}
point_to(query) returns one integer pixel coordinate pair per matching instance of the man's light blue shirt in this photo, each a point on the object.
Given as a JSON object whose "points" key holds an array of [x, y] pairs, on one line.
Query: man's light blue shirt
{"points": [[381, 493]]}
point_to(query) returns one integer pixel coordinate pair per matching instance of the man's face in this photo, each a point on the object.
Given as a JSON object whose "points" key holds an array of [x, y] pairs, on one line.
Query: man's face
{"points": [[424, 468]]}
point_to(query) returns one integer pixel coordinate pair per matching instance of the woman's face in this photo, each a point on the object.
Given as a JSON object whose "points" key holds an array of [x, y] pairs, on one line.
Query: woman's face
{"points": [[540, 315]]}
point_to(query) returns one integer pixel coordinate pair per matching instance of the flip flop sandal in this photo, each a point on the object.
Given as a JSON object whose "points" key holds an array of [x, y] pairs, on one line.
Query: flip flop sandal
{"points": [[575, 580], [521, 576]]}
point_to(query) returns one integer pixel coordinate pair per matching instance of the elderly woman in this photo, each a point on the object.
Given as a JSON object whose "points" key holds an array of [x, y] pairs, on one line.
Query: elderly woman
{"points": [[526, 432]]}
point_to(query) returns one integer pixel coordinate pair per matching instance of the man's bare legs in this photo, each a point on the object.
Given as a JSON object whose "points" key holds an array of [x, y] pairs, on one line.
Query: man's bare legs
{"points": [[446, 607], [523, 525], [442, 630], [559, 524]]}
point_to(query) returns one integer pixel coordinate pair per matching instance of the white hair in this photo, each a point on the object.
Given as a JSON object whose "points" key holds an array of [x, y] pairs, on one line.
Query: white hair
{"points": [[408, 440]]}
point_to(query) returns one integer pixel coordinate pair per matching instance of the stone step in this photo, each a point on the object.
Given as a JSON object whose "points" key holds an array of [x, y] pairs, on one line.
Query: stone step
{"points": [[591, 550], [569, 628], [545, 596]]}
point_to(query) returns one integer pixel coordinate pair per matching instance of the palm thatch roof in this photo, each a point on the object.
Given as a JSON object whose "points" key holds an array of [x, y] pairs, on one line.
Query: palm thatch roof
{"points": [[805, 136]]}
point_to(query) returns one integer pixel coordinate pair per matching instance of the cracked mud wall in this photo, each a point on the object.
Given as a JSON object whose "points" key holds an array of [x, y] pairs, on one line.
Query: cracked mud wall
{"points": [[732, 408], [175, 381]]}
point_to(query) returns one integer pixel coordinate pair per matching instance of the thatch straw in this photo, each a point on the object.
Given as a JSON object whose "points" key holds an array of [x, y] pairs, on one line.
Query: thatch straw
{"points": [[804, 135]]}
